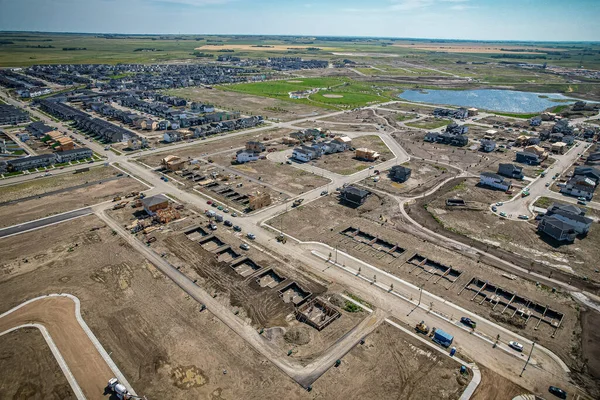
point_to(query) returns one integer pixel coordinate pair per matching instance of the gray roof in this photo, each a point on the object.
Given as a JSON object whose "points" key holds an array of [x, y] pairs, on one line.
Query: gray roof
{"points": [[492, 175], [154, 200], [566, 208]]}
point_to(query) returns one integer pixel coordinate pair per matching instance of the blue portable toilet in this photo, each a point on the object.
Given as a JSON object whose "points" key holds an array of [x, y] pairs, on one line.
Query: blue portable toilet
{"points": [[452, 351], [463, 369]]}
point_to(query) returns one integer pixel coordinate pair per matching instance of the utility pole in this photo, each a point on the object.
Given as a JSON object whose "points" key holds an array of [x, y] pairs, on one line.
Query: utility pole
{"points": [[528, 358]]}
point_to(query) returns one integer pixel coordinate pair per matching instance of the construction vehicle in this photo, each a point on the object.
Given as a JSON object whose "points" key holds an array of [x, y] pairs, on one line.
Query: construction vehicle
{"points": [[151, 240], [281, 238], [117, 198], [422, 328], [121, 391], [297, 202]]}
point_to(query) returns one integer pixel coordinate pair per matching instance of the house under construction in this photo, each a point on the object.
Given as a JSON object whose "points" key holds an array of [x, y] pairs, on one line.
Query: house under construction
{"points": [[317, 313]]}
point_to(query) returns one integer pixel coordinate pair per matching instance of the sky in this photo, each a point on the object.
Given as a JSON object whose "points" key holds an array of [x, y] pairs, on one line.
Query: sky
{"points": [[550, 20]]}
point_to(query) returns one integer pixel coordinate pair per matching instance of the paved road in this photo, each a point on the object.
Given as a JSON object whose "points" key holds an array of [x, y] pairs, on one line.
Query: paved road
{"points": [[40, 223], [521, 205]]}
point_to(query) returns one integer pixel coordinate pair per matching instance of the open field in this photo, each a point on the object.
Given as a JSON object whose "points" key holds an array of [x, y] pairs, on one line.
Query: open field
{"points": [[473, 161], [155, 334], [424, 176], [477, 222], [346, 164], [332, 91], [45, 206], [49, 184], [29, 370], [402, 367], [469, 48], [495, 387], [205, 149], [260, 47], [276, 109], [429, 123], [325, 219]]}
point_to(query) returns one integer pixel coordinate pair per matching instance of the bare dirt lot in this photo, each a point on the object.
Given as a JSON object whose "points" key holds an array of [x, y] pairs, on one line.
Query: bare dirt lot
{"points": [[155, 333], [518, 237], [366, 116], [495, 387], [339, 126], [324, 219], [28, 210], [248, 47], [283, 176], [412, 107], [392, 364], [40, 186], [473, 161], [424, 176], [29, 370], [346, 164], [248, 104], [205, 148]]}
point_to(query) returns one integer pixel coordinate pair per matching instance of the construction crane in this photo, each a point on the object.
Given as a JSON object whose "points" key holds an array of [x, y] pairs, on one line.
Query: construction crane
{"points": [[121, 391]]}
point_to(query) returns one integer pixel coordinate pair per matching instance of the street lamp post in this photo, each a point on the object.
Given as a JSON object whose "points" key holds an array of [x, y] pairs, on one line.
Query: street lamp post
{"points": [[528, 358]]}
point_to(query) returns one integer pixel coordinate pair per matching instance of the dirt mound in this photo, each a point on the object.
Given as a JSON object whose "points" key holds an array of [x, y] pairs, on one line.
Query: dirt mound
{"points": [[333, 96], [294, 81], [274, 333], [299, 335]]}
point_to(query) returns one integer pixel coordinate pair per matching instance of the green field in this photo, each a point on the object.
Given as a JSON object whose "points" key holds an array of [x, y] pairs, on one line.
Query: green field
{"points": [[334, 92], [429, 123]]}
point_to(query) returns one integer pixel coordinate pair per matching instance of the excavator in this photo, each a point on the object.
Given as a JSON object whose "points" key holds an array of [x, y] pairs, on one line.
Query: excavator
{"points": [[422, 328], [121, 391]]}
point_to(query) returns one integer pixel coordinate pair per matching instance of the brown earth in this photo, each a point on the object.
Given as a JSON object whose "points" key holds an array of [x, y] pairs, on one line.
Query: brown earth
{"points": [[346, 164], [495, 387], [57, 315], [29, 370], [58, 203]]}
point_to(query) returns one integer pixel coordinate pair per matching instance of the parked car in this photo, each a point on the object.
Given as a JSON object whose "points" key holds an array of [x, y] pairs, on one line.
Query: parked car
{"points": [[213, 227], [234, 214], [499, 203], [581, 199], [244, 246], [525, 217], [237, 228], [324, 193], [558, 392], [503, 214], [516, 345], [227, 223], [581, 202], [494, 208], [468, 321], [547, 184], [251, 236], [209, 202], [226, 211]]}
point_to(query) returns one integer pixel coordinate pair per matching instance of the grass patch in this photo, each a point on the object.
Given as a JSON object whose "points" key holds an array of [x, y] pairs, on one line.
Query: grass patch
{"points": [[429, 123], [404, 117], [359, 300], [543, 202], [351, 307], [459, 188], [516, 115]]}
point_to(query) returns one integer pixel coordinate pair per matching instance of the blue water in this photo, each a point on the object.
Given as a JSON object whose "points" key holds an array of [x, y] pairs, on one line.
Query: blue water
{"points": [[488, 99]]}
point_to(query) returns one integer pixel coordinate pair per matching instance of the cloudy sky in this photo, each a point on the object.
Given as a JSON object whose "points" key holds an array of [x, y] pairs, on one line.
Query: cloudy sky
{"points": [[458, 19]]}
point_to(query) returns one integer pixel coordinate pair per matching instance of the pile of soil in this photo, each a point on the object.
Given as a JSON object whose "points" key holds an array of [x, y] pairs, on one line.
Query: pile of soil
{"points": [[299, 335]]}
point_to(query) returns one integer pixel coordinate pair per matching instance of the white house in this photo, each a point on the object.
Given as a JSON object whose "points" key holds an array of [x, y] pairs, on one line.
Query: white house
{"points": [[244, 156], [303, 154], [494, 180]]}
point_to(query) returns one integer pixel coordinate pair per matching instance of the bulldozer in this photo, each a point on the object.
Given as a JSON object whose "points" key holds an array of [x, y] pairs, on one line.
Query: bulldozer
{"points": [[422, 328], [282, 239]]}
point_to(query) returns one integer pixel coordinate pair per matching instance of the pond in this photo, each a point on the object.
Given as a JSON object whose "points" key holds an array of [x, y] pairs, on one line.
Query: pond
{"points": [[510, 101]]}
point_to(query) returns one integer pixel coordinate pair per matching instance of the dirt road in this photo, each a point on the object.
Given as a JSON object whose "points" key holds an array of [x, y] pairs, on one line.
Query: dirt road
{"points": [[57, 315]]}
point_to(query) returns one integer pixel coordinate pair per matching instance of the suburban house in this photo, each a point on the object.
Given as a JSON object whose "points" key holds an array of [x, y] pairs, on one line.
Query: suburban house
{"points": [[557, 229], [494, 180], [559, 147], [254, 146], [431, 137], [354, 196], [510, 171], [74, 154], [528, 158], [39, 129], [10, 115], [172, 163], [172, 136], [455, 129], [343, 141], [154, 203], [580, 186], [305, 154], [535, 121], [593, 159], [590, 172], [399, 173], [487, 145], [571, 214], [24, 163], [244, 156], [568, 139], [366, 154]]}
